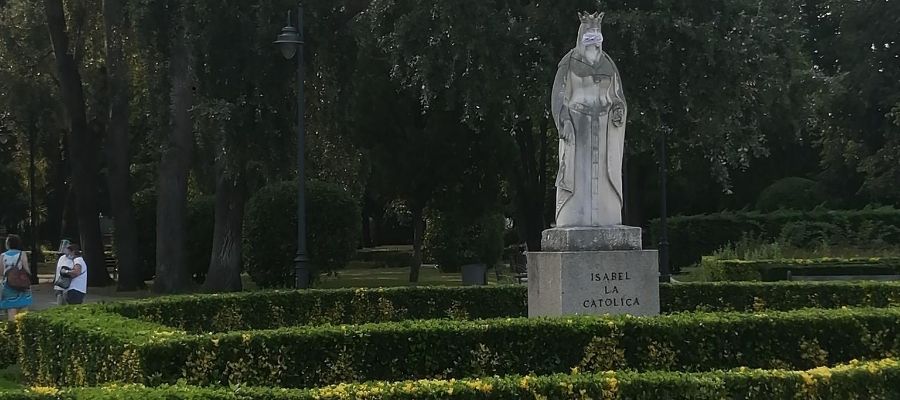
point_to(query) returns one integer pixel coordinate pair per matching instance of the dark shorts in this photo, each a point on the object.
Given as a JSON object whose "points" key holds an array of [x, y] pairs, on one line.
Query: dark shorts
{"points": [[74, 297]]}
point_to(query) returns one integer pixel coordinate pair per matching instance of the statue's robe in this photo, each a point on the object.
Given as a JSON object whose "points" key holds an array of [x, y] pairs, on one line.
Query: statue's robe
{"points": [[589, 182]]}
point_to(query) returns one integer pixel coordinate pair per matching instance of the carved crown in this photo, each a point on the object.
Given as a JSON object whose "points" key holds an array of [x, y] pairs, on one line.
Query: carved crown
{"points": [[591, 19]]}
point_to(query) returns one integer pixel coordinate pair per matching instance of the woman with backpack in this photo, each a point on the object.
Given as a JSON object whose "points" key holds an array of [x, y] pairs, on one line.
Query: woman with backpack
{"points": [[16, 278]]}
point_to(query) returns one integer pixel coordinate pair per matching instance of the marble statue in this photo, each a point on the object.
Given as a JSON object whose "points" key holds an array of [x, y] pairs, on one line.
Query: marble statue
{"points": [[588, 106]]}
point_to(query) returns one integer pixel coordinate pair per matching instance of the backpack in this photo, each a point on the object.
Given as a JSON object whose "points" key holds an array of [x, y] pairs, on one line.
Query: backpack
{"points": [[17, 278]]}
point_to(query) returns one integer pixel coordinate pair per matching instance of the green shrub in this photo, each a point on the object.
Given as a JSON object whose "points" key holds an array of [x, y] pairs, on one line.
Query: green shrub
{"points": [[102, 347], [452, 240], [692, 237], [275, 309], [857, 380], [757, 296], [776, 270], [270, 231], [792, 193], [8, 343], [811, 235]]}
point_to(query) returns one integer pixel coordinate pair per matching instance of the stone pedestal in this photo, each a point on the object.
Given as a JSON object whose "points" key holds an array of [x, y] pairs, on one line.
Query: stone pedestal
{"points": [[593, 238], [593, 271]]}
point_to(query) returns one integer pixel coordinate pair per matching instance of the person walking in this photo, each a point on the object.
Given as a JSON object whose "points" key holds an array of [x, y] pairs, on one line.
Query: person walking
{"points": [[16, 295]]}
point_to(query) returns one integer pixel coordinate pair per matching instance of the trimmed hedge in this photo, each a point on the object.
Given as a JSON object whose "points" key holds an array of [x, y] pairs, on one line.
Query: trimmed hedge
{"points": [[857, 380], [8, 350], [782, 296], [275, 309], [692, 237], [777, 270], [90, 347]]}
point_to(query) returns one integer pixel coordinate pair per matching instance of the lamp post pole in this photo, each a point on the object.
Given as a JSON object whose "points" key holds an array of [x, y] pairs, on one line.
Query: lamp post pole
{"points": [[665, 272], [291, 43]]}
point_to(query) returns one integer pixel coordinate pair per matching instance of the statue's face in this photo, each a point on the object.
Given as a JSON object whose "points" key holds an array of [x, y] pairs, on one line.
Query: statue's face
{"points": [[590, 38]]}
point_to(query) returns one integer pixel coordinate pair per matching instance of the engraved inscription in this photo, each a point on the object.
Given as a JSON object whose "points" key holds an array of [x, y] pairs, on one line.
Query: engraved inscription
{"points": [[610, 297]]}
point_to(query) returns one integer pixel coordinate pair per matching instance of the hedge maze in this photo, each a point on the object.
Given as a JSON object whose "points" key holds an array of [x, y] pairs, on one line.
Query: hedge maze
{"points": [[714, 340]]}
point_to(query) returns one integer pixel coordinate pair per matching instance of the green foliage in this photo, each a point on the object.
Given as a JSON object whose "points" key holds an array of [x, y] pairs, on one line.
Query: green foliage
{"points": [[276, 309], [783, 296], [269, 310], [856, 380], [8, 342], [811, 234], [855, 126], [270, 231], [459, 49], [692, 237], [778, 269], [100, 347], [791, 193], [453, 240]]}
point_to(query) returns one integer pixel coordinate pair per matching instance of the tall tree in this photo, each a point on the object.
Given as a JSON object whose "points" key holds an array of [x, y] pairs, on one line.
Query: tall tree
{"points": [[118, 158], [84, 142], [857, 124], [172, 275]]}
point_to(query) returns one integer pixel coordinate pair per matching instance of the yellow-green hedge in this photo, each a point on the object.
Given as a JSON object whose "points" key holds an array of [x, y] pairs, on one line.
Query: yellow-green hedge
{"points": [[276, 309], [82, 346], [866, 380]]}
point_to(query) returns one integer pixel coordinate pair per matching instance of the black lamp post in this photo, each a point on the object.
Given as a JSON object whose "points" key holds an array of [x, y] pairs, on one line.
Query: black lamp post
{"points": [[32, 219], [290, 42], [665, 272]]}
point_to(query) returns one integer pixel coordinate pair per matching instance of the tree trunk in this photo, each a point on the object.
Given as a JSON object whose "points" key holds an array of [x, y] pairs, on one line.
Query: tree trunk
{"points": [[58, 190], [225, 264], [172, 274], [84, 144], [117, 151], [418, 221], [530, 178]]}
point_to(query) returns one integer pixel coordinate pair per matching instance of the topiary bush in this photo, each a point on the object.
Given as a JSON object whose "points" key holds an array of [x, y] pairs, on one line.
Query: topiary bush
{"points": [[270, 231], [792, 193]]}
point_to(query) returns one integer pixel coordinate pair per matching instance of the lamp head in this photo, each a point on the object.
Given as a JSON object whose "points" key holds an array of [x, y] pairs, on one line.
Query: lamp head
{"points": [[288, 41]]}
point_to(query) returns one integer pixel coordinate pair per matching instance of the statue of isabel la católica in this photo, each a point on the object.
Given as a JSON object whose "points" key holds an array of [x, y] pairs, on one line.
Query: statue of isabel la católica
{"points": [[588, 106]]}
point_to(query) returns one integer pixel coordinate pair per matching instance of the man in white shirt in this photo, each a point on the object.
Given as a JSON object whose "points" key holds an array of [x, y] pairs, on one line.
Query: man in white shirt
{"points": [[71, 265]]}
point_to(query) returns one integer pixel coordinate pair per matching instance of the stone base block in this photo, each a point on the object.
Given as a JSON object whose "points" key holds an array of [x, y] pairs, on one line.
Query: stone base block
{"points": [[593, 283], [593, 238]]}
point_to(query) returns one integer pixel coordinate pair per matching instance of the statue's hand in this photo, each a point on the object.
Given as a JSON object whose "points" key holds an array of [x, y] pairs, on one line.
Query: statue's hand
{"points": [[567, 133]]}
